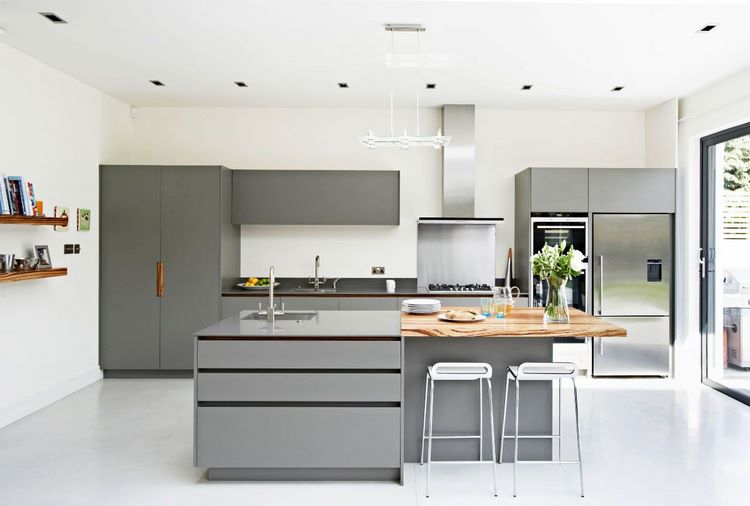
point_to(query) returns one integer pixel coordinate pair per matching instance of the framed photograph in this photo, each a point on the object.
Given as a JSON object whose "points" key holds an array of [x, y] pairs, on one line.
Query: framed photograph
{"points": [[42, 253]]}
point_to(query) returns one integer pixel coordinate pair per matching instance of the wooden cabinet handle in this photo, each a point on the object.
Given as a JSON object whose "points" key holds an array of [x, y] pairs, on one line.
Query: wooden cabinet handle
{"points": [[159, 279]]}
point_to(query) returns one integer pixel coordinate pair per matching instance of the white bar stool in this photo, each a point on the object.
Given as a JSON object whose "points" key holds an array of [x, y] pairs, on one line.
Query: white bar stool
{"points": [[541, 371], [457, 371]]}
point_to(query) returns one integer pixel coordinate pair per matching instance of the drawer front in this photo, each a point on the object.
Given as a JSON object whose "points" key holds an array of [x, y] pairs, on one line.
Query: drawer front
{"points": [[297, 437], [299, 354], [299, 387], [368, 304]]}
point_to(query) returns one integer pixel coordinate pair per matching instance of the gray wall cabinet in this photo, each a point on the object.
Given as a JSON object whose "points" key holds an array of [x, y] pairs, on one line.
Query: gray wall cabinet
{"points": [[315, 197], [181, 217], [564, 190], [632, 190]]}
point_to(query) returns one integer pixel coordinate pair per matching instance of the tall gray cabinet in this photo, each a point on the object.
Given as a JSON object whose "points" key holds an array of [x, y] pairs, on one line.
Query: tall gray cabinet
{"points": [[168, 227]]}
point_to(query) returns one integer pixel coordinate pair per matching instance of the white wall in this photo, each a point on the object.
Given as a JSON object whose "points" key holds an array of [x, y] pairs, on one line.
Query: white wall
{"points": [[507, 141], [53, 131], [717, 107], [661, 135]]}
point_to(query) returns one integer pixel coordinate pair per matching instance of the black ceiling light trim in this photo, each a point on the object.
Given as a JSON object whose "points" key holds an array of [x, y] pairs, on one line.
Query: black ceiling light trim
{"points": [[526, 87], [54, 18], [241, 84], [618, 88], [343, 85], [156, 82], [431, 86], [707, 28]]}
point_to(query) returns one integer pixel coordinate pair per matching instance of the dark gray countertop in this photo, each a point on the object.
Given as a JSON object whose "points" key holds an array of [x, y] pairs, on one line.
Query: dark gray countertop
{"points": [[350, 287], [338, 324]]}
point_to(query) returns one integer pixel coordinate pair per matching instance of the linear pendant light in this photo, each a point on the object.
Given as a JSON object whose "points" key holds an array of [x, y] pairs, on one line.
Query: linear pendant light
{"points": [[404, 141]]}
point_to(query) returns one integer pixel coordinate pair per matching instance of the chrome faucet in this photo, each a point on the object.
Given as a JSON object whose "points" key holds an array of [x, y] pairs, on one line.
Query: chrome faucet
{"points": [[316, 282], [271, 309]]}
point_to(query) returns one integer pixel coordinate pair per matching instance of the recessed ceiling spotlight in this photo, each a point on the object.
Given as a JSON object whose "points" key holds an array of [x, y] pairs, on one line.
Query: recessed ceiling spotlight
{"points": [[707, 28], [618, 88], [526, 87], [431, 86], [241, 84], [54, 18], [156, 82], [343, 85]]}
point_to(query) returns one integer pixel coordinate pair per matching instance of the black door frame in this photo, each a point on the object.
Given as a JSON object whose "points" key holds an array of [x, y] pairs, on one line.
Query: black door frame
{"points": [[707, 248]]}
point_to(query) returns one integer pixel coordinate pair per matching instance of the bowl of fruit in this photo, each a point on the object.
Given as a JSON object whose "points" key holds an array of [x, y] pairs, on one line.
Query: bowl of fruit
{"points": [[256, 284]]}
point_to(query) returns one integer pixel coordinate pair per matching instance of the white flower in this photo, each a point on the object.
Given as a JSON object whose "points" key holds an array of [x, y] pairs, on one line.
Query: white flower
{"points": [[577, 263]]}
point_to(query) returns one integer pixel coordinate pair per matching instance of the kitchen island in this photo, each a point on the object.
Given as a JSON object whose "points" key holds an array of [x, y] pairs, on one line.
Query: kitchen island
{"points": [[337, 395]]}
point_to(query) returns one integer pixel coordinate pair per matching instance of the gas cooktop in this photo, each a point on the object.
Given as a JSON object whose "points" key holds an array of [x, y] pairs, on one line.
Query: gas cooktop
{"points": [[471, 288]]}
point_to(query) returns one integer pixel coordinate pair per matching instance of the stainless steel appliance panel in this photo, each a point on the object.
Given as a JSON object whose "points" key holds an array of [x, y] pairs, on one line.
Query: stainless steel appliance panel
{"points": [[455, 254], [644, 352], [632, 264]]}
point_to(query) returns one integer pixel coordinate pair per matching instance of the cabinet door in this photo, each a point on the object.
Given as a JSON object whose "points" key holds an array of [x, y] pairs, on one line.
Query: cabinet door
{"points": [[312, 303], [190, 235], [129, 250], [368, 303], [231, 306], [564, 190], [632, 190]]}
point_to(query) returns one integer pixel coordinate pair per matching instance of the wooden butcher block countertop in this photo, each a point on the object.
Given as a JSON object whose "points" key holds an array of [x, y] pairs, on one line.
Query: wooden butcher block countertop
{"points": [[521, 322]]}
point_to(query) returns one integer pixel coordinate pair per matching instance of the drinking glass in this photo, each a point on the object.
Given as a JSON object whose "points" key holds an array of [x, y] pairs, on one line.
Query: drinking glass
{"points": [[487, 306]]}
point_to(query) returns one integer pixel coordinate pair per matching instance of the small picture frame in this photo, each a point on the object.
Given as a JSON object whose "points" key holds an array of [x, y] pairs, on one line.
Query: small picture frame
{"points": [[42, 253]]}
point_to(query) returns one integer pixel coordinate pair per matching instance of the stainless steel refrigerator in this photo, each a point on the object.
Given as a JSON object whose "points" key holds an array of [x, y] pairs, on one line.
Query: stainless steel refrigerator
{"points": [[632, 271]]}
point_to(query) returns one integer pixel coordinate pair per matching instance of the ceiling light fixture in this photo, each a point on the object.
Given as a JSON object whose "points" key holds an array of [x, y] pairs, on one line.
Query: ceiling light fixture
{"points": [[343, 85], [405, 141], [156, 82], [241, 84], [618, 88], [416, 60], [526, 87], [707, 28], [54, 18], [431, 86]]}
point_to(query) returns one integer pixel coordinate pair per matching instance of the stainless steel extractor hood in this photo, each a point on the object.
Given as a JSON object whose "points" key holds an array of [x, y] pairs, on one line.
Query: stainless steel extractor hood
{"points": [[458, 170]]}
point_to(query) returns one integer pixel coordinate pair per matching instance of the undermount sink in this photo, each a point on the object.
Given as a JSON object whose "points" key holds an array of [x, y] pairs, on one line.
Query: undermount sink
{"points": [[286, 316], [313, 290]]}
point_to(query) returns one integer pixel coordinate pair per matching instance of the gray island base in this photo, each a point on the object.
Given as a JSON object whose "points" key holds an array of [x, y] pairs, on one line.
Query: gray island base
{"points": [[339, 397]]}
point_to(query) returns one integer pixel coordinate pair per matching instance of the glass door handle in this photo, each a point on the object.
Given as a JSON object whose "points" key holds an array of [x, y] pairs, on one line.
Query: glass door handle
{"points": [[702, 263], [601, 283]]}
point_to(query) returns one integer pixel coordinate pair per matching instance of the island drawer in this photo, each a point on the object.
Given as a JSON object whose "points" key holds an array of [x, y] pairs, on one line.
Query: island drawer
{"points": [[294, 354], [298, 437], [299, 387]]}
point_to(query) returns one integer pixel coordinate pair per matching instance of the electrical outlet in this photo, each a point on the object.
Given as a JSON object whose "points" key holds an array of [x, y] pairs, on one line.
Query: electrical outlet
{"points": [[378, 270], [69, 249], [77, 248]]}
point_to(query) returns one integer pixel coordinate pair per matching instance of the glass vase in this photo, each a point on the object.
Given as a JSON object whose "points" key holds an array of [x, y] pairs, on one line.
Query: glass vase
{"points": [[556, 309]]}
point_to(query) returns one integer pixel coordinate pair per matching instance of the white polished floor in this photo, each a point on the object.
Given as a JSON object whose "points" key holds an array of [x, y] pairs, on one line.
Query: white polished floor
{"points": [[129, 442]]}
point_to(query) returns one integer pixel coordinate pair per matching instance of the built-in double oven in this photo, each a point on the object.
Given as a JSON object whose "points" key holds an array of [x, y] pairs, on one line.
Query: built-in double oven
{"points": [[553, 230]]}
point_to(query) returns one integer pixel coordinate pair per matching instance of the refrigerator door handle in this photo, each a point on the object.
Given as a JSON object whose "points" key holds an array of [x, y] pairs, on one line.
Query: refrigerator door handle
{"points": [[601, 346], [601, 283]]}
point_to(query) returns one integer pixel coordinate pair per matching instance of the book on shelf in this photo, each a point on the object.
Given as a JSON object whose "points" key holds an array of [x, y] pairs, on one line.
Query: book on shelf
{"points": [[4, 201], [15, 193], [31, 198]]}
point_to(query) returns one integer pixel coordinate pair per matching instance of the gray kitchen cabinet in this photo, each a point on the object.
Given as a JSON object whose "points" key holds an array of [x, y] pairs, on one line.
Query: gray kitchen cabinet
{"points": [[312, 303], [563, 189], [181, 217], [130, 247], [368, 303], [316, 197], [233, 305], [632, 190]]}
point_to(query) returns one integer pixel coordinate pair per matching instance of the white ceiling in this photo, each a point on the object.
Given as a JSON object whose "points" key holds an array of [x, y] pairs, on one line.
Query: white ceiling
{"points": [[292, 53]]}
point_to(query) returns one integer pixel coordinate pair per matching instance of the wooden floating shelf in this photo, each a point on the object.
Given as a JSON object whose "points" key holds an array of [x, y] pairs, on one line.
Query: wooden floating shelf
{"points": [[37, 274], [14, 219]]}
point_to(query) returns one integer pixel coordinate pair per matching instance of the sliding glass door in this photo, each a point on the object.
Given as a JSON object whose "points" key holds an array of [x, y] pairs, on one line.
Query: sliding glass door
{"points": [[725, 255]]}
